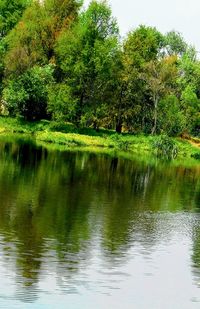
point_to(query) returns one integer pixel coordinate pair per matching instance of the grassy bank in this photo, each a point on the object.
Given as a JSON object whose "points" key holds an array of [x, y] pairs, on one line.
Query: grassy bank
{"points": [[68, 135]]}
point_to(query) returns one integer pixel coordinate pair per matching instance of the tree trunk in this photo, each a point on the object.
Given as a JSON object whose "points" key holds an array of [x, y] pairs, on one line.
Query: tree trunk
{"points": [[119, 127], [155, 99], [96, 126], [79, 112], [119, 120]]}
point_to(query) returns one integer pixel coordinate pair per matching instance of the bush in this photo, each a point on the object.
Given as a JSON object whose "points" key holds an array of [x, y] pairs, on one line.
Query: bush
{"points": [[166, 147], [196, 155], [61, 103], [27, 95], [171, 119], [61, 126], [120, 142]]}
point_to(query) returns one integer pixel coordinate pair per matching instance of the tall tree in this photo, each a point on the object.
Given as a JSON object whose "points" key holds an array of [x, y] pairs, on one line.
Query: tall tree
{"points": [[141, 46], [189, 91], [160, 77], [86, 56], [10, 13], [27, 96], [32, 41], [174, 44]]}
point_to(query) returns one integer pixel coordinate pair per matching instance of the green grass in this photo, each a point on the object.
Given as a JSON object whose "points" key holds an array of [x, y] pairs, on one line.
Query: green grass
{"points": [[67, 135], [18, 125]]}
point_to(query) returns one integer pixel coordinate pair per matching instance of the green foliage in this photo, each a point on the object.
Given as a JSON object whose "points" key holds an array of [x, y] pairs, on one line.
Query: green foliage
{"points": [[160, 76], [143, 45], [174, 44], [191, 107], [33, 40], [61, 126], [121, 143], [70, 65], [196, 155], [165, 147], [66, 134], [11, 12], [86, 56], [27, 96], [61, 103], [129, 105], [171, 119]]}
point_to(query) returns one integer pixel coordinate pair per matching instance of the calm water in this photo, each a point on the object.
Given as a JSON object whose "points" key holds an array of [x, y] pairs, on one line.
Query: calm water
{"points": [[86, 231]]}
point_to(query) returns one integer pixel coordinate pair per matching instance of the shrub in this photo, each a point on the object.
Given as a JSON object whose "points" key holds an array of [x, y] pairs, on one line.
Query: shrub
{"points": [[171, 119], [196, 155], [166, 147], [121, 143], [27, 95]]}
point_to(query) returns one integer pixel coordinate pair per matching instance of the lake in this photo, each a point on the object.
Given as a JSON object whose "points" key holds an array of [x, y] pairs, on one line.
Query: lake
{"points": [[81, 230]]}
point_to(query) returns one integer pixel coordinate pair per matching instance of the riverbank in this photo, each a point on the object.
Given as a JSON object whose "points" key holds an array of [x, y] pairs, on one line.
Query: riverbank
{"points": [[68, 135]]}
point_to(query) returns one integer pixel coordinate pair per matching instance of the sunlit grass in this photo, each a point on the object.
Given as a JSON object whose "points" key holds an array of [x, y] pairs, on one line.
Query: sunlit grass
{"points": [[47, 132]]}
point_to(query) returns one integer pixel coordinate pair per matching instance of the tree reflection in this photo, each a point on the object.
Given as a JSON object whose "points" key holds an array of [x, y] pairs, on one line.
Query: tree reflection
{"points": [[196, 252], [55, 203]]}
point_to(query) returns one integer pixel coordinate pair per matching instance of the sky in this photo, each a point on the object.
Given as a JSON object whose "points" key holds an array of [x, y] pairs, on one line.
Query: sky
{"points": [[180, 15]]}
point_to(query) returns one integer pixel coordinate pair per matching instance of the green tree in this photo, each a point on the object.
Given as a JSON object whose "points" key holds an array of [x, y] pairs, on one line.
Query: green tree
{"points": [[191, 107], [160, 77], [143, 45], [189, 91], [86, 56], [27, 96], [61, 103], [174, 44], [10, 14], [32, 41], [132, 100], [171, 118]]}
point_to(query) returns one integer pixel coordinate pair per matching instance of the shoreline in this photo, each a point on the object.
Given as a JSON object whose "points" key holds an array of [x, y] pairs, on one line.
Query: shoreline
{"points": [[46, 132]]}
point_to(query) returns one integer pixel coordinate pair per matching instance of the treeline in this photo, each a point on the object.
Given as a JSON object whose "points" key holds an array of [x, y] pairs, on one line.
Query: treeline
{"points": [[61, 62]]}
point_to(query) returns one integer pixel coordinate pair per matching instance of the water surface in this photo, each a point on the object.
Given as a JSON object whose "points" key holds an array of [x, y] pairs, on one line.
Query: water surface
{"points": [[80, 230]]}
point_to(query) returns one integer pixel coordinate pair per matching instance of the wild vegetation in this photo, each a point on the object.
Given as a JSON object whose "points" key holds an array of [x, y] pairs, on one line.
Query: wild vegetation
{"points": [[64, 63], [66, 136]]}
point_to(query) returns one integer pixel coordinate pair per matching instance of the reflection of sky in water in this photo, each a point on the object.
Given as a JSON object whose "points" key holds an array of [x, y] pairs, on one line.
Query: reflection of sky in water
{"points": [[84, 231], [149, 274]]}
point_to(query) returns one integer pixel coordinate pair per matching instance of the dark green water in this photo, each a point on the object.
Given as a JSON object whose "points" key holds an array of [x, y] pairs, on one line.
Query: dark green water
{"points": [[86, 231]]}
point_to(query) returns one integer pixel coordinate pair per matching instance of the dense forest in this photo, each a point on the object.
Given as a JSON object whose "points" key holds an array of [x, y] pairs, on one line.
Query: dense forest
{"points": [[63, 62]]}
